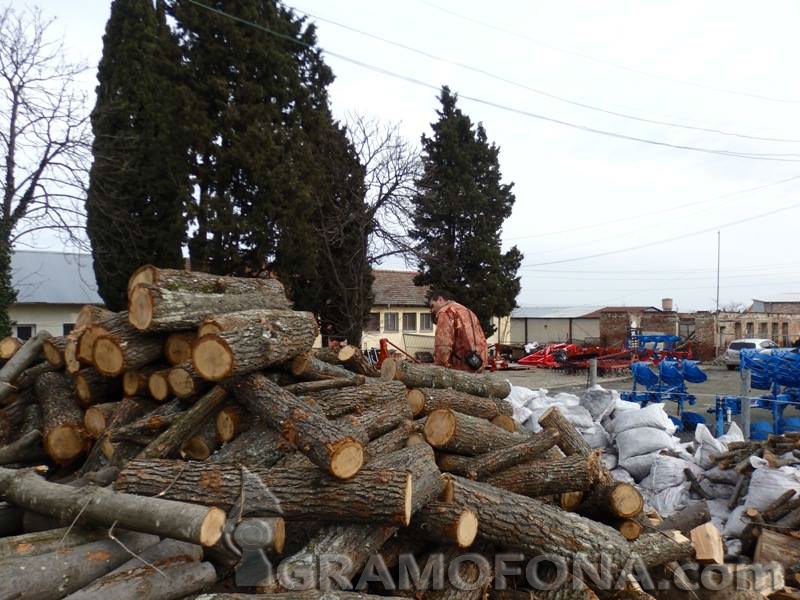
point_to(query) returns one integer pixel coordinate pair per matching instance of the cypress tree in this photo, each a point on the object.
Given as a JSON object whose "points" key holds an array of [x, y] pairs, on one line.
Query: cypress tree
{"points": [[458, 217], [8, 295], [139, 179]]}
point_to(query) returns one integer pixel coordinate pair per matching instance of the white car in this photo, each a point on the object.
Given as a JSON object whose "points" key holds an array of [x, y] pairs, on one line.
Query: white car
{"points": [[731, 355]]}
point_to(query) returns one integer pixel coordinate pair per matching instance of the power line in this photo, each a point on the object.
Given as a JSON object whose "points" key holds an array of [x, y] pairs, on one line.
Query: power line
{"points": [[546, 94], [711, 286], [666, 240], [747, 155], [792, 265], [606, 62]]}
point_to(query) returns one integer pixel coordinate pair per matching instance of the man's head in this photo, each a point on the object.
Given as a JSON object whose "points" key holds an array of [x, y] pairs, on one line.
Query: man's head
{"points": [[437, 299]]}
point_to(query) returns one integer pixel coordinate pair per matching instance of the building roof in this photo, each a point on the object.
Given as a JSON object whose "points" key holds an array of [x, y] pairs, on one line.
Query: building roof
{"points": [[555, 312], [396, 288], [628, 309], [789, 298], [53, 278]]}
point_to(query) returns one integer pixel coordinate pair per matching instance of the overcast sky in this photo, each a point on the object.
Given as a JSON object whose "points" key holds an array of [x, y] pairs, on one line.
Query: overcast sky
{"points": [[728, 66]]}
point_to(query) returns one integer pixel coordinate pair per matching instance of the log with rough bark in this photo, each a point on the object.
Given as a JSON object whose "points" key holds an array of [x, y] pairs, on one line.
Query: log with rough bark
{"points": [[311, 387], [101, 325], [337, 402], [574, 473], [253, 340], [307, 366], [90, 314], [97, 417], [185, 382], [423, 401], [104, 507], [92, 387], [13, 414], [25, 449], [154, 309], [125, 349], [446, 522], [389, 442], [186, 425], [26, 356], [9, 346], [331, 446], [135, 382], [429, 376], [662, 547], [149, 424], [178, 347], [203, 443], [53, 351], [29, 376], [71, 362], [373, 495], [570, 440], [65, 439], [506, 422], [328, 355], [448, 430], [32, 421], [231, 421], [301, 595], [259, 446], [688, 518], [42, 542], [484, 465], [354, 359], [66, 570], [427, 481], [378, 419], [630, 529], [158, 385], [179, 280], [776, 508]]}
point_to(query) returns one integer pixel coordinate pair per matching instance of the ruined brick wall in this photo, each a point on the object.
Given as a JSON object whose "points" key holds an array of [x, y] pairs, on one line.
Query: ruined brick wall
{"points": [[659, 322], [704, 343], [614, 328]]}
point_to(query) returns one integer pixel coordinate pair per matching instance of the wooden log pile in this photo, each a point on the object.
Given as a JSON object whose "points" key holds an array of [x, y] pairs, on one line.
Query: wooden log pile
{"points": [[180, 442]]}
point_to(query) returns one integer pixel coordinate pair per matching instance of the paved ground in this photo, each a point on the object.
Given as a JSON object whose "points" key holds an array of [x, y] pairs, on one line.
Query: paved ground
{"points": [[720, 381]]}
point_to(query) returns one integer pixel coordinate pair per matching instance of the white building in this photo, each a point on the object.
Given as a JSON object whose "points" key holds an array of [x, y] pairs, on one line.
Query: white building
{"points": [[51, 289]]}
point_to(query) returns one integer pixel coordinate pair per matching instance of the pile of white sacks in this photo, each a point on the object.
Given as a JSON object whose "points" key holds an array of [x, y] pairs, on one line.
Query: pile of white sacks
{"points": [[640, 447]]}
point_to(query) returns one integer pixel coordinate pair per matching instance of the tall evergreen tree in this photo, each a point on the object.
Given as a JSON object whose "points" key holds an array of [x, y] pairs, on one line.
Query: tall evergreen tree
{"points": [[458, 216], [139, 179]]}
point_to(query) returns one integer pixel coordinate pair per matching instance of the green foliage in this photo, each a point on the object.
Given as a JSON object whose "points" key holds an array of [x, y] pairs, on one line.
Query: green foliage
{"points": [[139, 179], [458, 217]]}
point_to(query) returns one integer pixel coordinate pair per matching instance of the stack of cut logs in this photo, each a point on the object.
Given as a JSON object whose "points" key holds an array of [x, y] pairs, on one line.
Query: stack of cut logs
{"points": [[155, 442]]}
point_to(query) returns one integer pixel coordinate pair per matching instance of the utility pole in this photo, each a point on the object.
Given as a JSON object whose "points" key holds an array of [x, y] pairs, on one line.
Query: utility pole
{"points": [[717, 335], [718, 255]]}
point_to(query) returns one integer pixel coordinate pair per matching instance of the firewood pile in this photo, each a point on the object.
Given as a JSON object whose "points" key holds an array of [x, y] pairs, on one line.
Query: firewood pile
{"points": [[163, 451]]}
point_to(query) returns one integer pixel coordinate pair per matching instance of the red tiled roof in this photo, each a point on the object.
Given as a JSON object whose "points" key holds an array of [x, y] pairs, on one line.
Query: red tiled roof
{"points": [[396, 288]]}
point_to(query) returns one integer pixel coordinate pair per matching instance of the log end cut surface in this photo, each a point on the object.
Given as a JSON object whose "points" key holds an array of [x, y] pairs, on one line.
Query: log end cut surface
{"points": [[505, 422], [95, 421], [466, 529], [64, 443], [9, 347], [82, 389], [347, 459], [416, 401], [388, 370], [212, 358], [158, 386], [627, 500], [53, 355], [211, 530], [180, 382], [140, 308], [440, 427], [108, 357]]}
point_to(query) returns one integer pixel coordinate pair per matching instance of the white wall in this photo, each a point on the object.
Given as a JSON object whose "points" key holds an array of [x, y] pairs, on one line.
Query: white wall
{"points": [[554, 330], [50, 317]]}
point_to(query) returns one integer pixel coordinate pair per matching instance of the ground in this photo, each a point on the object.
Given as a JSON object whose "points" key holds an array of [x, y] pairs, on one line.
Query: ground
{"points": [[720, 382]]}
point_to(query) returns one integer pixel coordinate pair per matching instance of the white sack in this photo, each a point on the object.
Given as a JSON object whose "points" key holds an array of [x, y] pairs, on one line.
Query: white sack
{"points": [[577, 415], [706, 447], [733, 547], [653, 416], [596, 436], [622, 475], [564, 399], [766, 485], [520, 396], [667, 472], [599, 401], [717, 475], [720, 491], [670, 500], [638, 466], [643, 440], [610, 461], [521, 414], [734, 434], [737, 521], [621, 406], [719, 512]]}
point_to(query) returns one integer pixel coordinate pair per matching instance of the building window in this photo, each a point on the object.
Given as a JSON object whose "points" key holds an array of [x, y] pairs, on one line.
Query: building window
{"points": [[390, 321], [737, 330], [409, 321], [748, 330], [785, 334], [775, 332], [762, 330], [425, 322], [374, 322], [67, 328], [25, 332]]}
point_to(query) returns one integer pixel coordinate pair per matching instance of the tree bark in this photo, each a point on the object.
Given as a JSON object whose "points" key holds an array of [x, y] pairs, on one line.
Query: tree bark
{"points": [[423, 401], [9, 346], [259, 446], [101, 506], [380, 418], [125, 349], [53, 350], [389, 442], [178, 347], [32, 421], [203, 443], [570, 440], [231, 421], [306, 366], [203, 283], [429, 376], [149, 424], [255, 340], [65, 439], [328, 445], [92, 387], [185, 426], [71, 363], [687, 519], [337, 402], [446, 523], [13, 414], [64, 571], [545, 478], [97, 417], [103, 324], [484, 465], [26, 449], [136, 382], [154, 309], [662, 547], [298, 494], [448, 430], [302, 595], [311, 387], [354, 359], [419, 460], [27, 355], [184, 381], [42, 542], [612, 500], [328, 355], [29, 376]]}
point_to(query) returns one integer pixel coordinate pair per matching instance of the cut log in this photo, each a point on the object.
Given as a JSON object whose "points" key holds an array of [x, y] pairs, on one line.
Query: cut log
{"points": [[101, 506], [92, 387], [230, 422], [337, 402], [685, 520], [89, 315], [742, 483], [380, 418], [25, 449], [65, 439], [662, 547], [429, 376], [444, 522], [774, 546], [154, 309], [32, 421], [505, 422], [306, 366], [328, 445], [178, 347], [253, 340], [149, 424], [259, 446], [789, 521], [302, 595], [389, 442], [328, 355], [9, 346], [184, 381], [97, 417], [125, 349], [570, 440], [42, 542], [13, 414], [354, 359], [135, 382], [203, 283], [105, 323], [158, 385], [298, 494], [26, 356], [423, 401], [544, 478], [448, 430], [71, 362], [707, 542], [53, 351], [630, 529], [428, 481], [27, 379], [614, 500], [203, 443], [775, 509], [185, 426], [64, 571], [465, 580], [310, 387]]}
